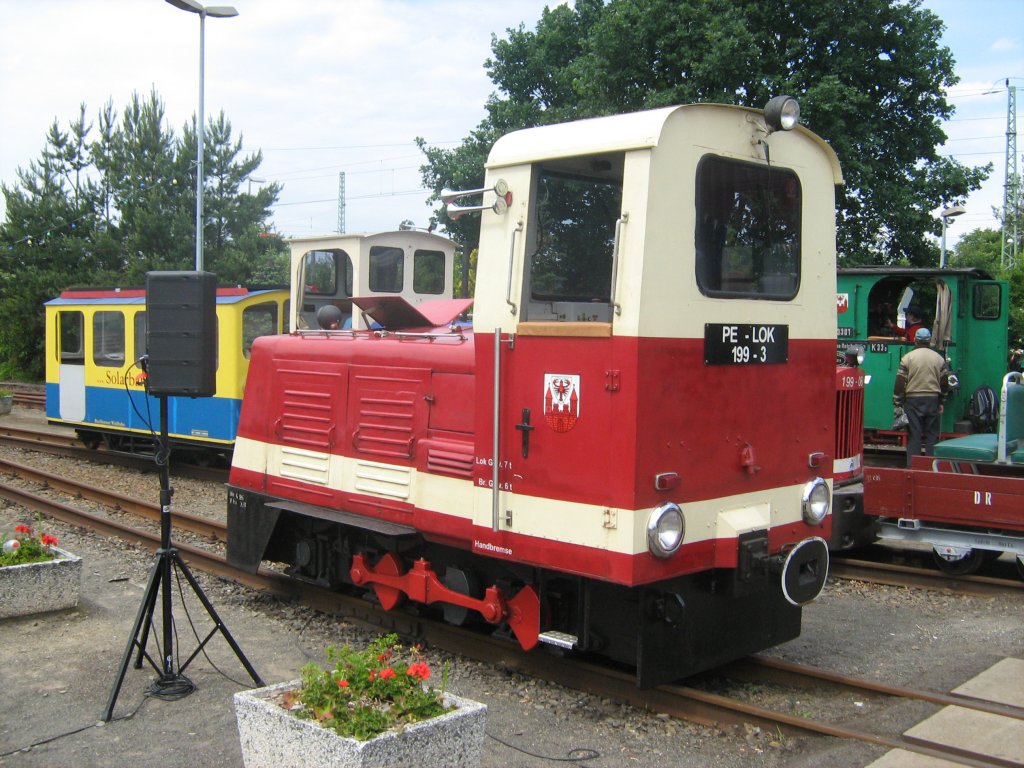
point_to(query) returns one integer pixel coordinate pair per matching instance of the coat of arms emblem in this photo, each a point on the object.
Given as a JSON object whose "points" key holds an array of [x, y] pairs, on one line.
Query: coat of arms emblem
{"points": [[561, 400]]}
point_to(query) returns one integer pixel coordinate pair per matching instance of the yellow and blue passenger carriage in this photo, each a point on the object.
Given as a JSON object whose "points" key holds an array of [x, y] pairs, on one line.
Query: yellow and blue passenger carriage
{"points": [[95, 382]]}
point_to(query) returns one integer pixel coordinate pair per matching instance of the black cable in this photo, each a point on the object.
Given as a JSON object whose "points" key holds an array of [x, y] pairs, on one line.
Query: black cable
{"points": [[73, 731], [587, 753]]}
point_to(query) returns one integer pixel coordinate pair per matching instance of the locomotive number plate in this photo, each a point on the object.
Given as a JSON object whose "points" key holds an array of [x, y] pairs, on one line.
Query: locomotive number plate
{"points": [[745, 344]]}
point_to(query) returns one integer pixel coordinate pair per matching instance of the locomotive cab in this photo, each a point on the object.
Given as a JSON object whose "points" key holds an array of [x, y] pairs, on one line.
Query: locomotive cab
{"points": [[632, 452], [329, 271]]}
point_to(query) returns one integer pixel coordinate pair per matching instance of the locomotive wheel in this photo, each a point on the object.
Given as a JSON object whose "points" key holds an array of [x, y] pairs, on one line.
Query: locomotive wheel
{"points": [[961, 566]]}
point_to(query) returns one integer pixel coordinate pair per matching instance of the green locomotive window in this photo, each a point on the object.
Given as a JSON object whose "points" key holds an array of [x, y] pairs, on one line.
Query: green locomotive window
{"points": [[748, 230], [428, 271], [108, 339], [387, 265], [988, 299], [71, 342]]}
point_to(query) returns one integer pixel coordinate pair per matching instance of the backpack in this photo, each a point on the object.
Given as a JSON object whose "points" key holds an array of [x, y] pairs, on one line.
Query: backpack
{"points": [[983, 409]]}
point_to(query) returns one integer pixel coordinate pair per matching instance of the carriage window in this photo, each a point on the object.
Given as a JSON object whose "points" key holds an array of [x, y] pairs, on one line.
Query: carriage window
{"points": [[386, 269], [140, 335], [258, 320], [574, 238], [987, 301], [326, 270], [71, 324], [428, 272], [748, 230], [108, 338]]}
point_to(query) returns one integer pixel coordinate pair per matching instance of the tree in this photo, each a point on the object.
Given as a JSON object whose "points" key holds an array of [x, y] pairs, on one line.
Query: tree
{"points": [[870, 76], [108, 210]]}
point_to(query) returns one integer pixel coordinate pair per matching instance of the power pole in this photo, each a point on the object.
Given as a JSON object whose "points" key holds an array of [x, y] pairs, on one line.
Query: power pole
{"points": [[341, 202], [1011, 190]]}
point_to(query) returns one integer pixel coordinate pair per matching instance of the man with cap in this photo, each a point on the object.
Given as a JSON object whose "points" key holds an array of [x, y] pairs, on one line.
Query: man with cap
{"points": [[922, 383], [914, 317]]}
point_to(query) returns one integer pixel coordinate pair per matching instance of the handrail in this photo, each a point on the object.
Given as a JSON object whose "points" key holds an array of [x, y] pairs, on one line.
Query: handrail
{"points": [[624, 218], [511, 263]]}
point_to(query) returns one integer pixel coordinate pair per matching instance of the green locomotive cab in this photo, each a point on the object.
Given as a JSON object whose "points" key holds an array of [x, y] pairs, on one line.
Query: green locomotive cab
{"points": [[965, 309]]}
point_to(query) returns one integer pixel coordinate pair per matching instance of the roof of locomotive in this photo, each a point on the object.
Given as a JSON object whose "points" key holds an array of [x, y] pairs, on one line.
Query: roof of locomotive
{"points": [[614, 133], [881, 270], [335, 239], [132, 296]]}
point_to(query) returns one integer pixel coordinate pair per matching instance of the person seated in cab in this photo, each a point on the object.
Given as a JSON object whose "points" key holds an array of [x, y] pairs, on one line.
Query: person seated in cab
{"points": [[915, 318]]}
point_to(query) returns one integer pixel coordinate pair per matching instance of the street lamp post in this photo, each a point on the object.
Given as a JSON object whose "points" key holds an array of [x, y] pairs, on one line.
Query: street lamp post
{"points": [[949, 213], [217, 12]]}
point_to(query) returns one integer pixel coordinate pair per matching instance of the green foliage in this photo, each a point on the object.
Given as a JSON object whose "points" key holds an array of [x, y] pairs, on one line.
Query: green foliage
{"points": [[870, 75], [367, 692], [105, 204]]}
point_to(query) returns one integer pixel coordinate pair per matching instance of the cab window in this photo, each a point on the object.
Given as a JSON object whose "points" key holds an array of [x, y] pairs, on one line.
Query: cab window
{"points": [[328, 271], [428, 271], [748, 230], [987, 301], [108, 339], [387, 265]]}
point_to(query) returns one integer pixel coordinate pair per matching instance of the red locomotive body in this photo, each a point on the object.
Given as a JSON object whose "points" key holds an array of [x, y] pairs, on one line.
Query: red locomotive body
{"points": [[598, 463]]}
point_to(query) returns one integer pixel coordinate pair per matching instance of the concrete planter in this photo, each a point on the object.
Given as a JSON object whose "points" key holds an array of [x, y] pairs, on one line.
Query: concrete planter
{"points": [[6, 401], [52, 585], [272, 737]]}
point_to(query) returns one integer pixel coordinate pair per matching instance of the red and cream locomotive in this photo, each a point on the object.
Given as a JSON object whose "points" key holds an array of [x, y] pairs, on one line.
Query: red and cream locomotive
{"points": [[631, 450]]}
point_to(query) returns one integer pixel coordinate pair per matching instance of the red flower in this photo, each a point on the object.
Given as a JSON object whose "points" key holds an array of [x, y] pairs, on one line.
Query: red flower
{"points": [[373, 675], [387, 674], [419, 669], [22, 529], [343, 683], [50, 541]]}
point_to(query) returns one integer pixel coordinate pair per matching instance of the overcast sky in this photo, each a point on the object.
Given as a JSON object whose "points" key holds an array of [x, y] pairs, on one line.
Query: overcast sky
{"points": [[330, 86]]}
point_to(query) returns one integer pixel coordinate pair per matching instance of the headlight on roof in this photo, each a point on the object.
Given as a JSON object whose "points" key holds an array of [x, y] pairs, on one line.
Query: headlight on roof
{"points": [[665, 529], [816, 501]]}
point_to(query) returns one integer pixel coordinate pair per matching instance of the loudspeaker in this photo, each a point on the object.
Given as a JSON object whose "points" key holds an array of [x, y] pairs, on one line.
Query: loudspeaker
{"points": [[181, 333]]}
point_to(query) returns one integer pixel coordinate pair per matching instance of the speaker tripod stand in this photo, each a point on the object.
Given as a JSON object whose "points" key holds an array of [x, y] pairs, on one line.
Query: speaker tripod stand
{"points": [[171, 682]]}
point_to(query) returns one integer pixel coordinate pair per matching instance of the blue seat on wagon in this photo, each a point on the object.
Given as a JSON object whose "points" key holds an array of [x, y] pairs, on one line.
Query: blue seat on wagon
{"points": [[986, 447]]}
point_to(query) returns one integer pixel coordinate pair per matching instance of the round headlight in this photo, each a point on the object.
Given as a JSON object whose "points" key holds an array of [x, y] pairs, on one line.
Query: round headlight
{"points": [[665, 529], [816, 501], [855, 355], [782, 113]]}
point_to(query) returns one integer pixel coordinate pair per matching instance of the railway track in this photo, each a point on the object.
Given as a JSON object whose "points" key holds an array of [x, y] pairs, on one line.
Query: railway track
{"points": [[65, 443], [688, 702]]}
